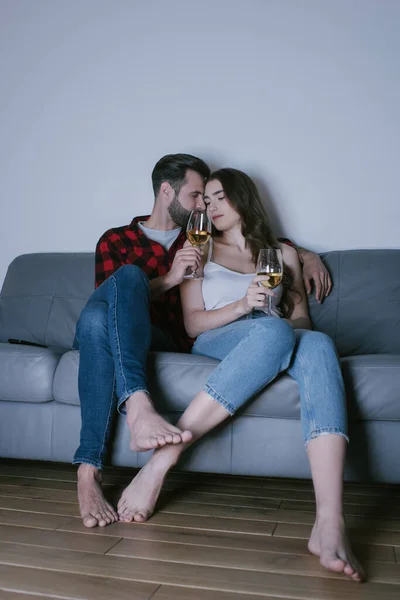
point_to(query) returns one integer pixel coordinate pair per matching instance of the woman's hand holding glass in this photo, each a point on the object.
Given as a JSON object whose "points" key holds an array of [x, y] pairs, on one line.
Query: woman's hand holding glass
{"points": [[256, 296]]}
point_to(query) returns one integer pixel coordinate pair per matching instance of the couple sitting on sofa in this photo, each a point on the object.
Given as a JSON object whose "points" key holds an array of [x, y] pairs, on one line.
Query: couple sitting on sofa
{"points": [[137, 306]]}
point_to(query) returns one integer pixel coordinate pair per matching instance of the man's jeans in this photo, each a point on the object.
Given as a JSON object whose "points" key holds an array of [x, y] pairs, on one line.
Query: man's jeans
{"points": [[256, 348], [114, 335]]}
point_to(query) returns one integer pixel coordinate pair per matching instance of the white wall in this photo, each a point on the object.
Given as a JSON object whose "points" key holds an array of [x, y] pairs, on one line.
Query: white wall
{"points": [[303, 94]]}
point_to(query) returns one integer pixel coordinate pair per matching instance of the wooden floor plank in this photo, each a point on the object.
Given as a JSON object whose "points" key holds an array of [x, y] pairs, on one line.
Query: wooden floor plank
{"points": [[29, 519], [194, 576], [7, 595], [167, 592], [201, 490], [370, 536], [379, 511], [253, 560], [57, 539], [61, 585], [65, 509], [205, 523], [213, 539]]}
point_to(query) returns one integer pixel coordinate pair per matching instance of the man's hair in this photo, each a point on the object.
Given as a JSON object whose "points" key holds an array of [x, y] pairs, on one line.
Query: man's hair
{"points": [[173, 167]]}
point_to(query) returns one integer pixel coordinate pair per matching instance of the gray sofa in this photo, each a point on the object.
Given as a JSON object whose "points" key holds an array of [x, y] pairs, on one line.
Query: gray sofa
{"points": [[43, 295]]}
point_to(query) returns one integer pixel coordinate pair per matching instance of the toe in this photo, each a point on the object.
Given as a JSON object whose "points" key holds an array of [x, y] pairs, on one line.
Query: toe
{"points": [[169, 438], [333, 563], [161, 441], [141, 517], [176, 438], [186, 436], [90, 521], [348, 569]]}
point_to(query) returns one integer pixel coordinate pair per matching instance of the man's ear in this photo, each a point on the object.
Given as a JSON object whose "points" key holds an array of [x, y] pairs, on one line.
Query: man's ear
{"points": [[166, 192]]}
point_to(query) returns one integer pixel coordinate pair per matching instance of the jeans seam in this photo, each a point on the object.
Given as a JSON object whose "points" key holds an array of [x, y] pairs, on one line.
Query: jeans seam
{"points": [[308, 403], [108, 422], [120, 368]]}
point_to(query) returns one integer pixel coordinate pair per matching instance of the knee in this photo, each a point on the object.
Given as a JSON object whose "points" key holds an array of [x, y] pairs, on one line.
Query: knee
{"points": [[130, 275], [319, 344], [92, 321], [275, 333]]}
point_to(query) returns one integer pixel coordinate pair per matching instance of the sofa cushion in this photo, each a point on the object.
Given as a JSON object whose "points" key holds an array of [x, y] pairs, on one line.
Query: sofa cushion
{"points": [[43, 295], [372, 383], [65, 385], [27, 373]]}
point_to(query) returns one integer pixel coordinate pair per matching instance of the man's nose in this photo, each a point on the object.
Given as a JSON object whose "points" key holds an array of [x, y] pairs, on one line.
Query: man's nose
{"points": [[200, 204]]}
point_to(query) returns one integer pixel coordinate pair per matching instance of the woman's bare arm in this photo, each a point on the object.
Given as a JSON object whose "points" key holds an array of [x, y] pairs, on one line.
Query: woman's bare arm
{"points": [[196, 318]]}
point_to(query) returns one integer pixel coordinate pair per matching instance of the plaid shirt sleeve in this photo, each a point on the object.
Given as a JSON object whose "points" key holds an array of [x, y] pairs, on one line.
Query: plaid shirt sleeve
{"points": [[286, 241], [108, 259]]}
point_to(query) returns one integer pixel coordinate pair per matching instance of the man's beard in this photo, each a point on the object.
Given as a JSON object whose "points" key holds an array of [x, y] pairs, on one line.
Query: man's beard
{"points": [[178, 214]]}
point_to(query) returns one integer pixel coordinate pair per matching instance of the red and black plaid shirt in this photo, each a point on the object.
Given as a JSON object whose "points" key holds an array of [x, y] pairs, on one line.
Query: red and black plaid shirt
{"points": [[128, 245]]}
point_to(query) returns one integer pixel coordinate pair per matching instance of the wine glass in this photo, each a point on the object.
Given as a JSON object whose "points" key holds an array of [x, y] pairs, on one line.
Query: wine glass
{"points": [[270, 263], [198, 233]]}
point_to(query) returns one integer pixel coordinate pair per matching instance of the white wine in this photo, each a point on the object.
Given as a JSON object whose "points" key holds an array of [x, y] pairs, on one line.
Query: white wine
{"points": [[198, 238], [273, 281]]}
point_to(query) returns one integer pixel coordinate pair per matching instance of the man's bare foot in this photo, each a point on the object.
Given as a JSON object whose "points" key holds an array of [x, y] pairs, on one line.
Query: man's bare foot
{"points": [[139, 499], [94, 508], [148, 429], [329, 541]]}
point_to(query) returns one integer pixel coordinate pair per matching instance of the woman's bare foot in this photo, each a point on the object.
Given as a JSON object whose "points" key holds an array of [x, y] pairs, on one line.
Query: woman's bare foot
{"points": [[148, 429], [94, 508], [139, 499], [329, 541]]}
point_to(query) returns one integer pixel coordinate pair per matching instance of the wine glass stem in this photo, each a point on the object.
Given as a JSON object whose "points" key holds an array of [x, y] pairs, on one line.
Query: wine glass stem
{"points": [[269, 306]]}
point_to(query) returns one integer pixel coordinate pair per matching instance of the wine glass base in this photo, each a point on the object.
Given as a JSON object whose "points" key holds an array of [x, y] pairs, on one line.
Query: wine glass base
{"points": [[192, 276]]}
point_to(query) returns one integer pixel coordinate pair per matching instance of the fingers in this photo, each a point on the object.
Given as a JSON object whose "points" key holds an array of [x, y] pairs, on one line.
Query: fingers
{"points": [[318, 281], [328, 287], [307, 285]]}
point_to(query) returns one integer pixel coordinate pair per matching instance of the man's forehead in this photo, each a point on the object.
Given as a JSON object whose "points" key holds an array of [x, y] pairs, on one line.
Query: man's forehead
{"points": [[194, 180]]}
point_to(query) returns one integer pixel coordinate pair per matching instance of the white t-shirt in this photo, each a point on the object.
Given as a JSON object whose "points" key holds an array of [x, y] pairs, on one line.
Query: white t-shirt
{"points": [[165, 238]]}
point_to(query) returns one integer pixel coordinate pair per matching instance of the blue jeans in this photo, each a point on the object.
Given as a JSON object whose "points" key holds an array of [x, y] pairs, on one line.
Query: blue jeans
{"points": [[255, 349], [114, 335]]}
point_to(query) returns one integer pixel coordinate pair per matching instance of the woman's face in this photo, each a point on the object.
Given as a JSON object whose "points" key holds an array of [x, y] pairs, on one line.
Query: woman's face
{"points": [[219, 209]]}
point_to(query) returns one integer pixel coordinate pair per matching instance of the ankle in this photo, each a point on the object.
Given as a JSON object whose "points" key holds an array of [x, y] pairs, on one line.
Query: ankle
{"points": [[164, 459], [137, 403], [329, 516], [89, 472]]}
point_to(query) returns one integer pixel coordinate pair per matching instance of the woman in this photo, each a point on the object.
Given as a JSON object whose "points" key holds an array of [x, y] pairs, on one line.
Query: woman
{"points": [[224, 311]]}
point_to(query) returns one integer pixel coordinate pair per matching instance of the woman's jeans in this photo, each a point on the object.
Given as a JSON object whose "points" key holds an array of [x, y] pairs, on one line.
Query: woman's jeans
{"points": [[114, 335], [256, 348]]}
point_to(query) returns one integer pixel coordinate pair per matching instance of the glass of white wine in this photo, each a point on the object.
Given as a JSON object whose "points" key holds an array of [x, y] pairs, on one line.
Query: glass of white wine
{"points": [[270, 262], [198, 233]]}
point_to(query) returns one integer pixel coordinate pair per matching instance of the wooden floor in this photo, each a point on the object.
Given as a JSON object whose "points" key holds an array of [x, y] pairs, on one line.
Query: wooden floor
{"points": [[213, 538]]}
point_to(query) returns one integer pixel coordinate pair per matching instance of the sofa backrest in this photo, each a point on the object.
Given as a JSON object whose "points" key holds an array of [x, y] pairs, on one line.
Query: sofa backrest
{"points": [[43, 295]]}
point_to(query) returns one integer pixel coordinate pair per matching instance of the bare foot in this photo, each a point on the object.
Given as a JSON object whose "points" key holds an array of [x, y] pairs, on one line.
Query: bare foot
{"points": [[329, 541], [148, 429], [139, 499], [94, 508]]}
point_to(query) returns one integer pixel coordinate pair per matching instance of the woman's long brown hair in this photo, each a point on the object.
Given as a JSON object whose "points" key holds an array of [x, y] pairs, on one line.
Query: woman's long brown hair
{"points": [[242, 194]]}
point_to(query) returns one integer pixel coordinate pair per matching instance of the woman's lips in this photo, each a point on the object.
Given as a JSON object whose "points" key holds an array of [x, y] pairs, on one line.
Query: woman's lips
{"points": [[216, 217]]}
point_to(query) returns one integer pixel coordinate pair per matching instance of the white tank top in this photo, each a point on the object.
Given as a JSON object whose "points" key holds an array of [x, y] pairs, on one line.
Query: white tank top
{"points": [[222, 286]]}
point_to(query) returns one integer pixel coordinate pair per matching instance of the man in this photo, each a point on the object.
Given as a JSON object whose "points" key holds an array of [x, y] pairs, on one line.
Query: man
{"points": [[136, 307]]}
